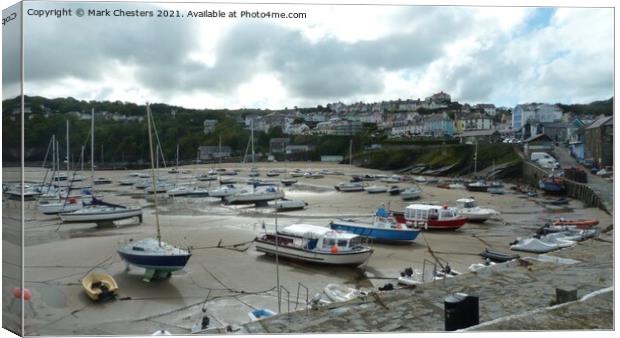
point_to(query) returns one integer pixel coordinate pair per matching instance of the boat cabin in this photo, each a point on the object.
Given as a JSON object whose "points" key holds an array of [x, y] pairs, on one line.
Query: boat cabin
{"points": [[317, 238], [467, 203], [424, 212]]}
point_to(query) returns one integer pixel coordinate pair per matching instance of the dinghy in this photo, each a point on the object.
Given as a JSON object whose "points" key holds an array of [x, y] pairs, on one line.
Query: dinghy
{"points": [[339, 293], [498, 256], [99, 286], [258, 314]]}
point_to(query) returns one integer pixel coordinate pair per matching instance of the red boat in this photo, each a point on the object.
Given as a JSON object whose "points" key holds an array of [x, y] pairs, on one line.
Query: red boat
{"points": [[431, 217], [579, 223]]}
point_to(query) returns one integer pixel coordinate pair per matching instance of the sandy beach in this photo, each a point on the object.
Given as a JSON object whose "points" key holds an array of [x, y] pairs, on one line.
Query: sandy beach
{"points": [[230, 281]]}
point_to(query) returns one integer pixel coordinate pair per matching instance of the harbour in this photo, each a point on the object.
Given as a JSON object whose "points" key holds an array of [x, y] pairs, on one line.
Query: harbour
{"points": [[226, 274]]}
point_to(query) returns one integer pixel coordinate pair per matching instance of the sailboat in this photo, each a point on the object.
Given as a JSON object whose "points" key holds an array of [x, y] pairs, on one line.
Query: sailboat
{"points": [[99, 211], [158, 258], [496, 187], [175, 170], [478, 185]]}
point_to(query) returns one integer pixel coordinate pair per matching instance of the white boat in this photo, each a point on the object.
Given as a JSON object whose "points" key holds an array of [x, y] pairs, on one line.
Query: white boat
{"points": [[296, 174], [376, 189], [340, 293], [420, 179], [179, 191], [102, 180], [467, 207], [101, 211], [273, 173], [410, 193], [260, 194], [142, 184], [160, 187], [287, 205], [223, 191], [391, 179], [206, 177], [456, 186], [350, 186], [481, 266], [288, 181], [534, 245], [316, 244], [227, 180], [313, 175], [127, 181], [60, 206]]}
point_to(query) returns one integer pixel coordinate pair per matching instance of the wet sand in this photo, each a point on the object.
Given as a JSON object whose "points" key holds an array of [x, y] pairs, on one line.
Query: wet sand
{"points": [[233, 281]]}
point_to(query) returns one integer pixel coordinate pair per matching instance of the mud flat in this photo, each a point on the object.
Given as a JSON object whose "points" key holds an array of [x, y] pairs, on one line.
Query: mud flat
{"points": [[225, 274]]}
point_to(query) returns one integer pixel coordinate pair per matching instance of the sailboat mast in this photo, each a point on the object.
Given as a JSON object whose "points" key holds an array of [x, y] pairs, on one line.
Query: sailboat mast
{"points": [[351, 152], [252, 139], [177, 156], [220, 149], [148, 120], [476, 160], [67, 149], [92, 148]]}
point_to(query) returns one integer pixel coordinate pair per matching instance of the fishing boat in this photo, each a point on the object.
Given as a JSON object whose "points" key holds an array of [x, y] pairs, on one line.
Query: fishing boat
{"points": [[469, 208], [350, 186], [382, 228], [100, 286], [340, 293], [261, 313], [159, 259], [289, 205], [552, 184], [410, 193], [375, 189], [255, 195], [434, 216], [315, 244]]}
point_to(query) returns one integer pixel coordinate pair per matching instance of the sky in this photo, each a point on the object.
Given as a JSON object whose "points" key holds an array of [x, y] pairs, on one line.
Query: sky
{"points": [[500, 55]]}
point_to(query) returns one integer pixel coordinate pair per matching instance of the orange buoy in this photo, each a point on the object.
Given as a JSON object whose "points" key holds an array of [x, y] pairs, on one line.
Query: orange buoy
{"points": [[334, 249], [17, 292]]}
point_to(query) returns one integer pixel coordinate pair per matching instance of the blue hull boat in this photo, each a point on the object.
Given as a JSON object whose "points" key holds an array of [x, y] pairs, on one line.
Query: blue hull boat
{"points": [[158, 258], [379, 232]]}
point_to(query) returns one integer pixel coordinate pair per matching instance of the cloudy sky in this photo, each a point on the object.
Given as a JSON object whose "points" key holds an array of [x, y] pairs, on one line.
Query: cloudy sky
{"points": [[501, 55]]}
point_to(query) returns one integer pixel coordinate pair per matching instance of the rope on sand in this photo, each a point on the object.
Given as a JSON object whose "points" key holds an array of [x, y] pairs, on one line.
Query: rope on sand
{"points": [[219, 245]]}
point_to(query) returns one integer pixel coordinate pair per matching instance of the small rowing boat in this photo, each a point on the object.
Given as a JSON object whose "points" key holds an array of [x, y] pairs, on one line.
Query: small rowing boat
{"points": [[99, 286]]}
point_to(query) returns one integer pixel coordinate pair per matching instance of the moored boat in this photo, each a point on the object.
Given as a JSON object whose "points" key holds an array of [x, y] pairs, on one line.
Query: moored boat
{"points": [[394, 190], [340, 293], [410, 193], [259, 194], [479, 186], [100, 211], [288, 205], [99, 286], [434, 216], [383, 228], [350, 186], [315, 244], [376, 189], [468, 207], [55, 207], [579, 223], [258, 314], [498, 256], [288, 181]]}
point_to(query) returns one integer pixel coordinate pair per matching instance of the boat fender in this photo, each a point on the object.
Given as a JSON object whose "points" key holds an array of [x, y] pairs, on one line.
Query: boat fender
{"points": [[334, 249]]}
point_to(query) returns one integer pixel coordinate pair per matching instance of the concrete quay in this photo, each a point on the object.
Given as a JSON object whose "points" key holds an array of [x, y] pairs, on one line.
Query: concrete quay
{"points": [[504, 291]]}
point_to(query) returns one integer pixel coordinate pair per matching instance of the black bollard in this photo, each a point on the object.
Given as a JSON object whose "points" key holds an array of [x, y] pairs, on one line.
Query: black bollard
{"points": [[461, 311]]}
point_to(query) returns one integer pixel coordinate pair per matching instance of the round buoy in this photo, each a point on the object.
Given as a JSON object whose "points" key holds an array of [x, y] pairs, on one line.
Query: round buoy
{"points": [[17, 292], [334, 249]]}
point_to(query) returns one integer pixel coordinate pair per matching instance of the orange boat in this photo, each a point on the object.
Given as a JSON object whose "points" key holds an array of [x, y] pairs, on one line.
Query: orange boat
{"points": [[579, 223]]}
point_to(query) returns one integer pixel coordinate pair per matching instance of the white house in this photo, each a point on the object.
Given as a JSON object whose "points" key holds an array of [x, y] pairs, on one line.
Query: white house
{"points": [[541, 112]]}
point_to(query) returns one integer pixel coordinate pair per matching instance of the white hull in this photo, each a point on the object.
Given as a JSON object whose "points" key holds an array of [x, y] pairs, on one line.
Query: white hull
{"points": [[58, 207], [356, 258], [252, 198], [101, 215]]}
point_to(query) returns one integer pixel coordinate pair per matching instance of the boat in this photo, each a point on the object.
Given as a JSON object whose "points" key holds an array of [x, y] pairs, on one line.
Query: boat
{"points": [[296, 174], [498, 256], [481, 266], [394, 190], [179, 191], [223, 191], [316, 244], [159, 259], [253, 195], [496, 188], [100, 211], [376, 189], [288, 205], [479, 186], [206, 177], [434, 216], [102, 180], [578, 223], [227, 180], [314, 175], [559, 201], [534, 245], [552, 184], [161, 188], [55, 207], [272, 173], [261, 313], [254, 173], [288, 181], [100, 286], [350, 187], [391, 179], [340, 293], [468, 207], [127, 181], [384, 227], [410, 193], [420, 179], [456, 186]]}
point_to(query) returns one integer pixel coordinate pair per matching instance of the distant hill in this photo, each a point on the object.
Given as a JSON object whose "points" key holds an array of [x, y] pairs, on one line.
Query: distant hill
{"points": [[605, 107]]}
